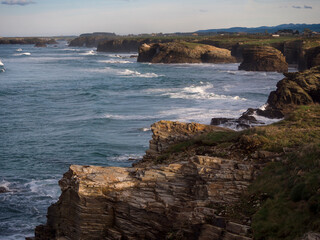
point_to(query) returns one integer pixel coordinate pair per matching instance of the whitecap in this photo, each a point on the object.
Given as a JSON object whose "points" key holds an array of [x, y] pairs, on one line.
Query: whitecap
{"points": [[23, 54], [125, 117], [19, 50], [1, 63], [125, 157], [145, 129], [5, 184], [200, 92], [91, 52], [47, 187], [115, 61], [131, 73]]}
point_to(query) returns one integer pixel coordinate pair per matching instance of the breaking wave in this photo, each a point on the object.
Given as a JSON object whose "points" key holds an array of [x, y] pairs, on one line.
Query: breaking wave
{"points": [[88, 53], [22, 54], [193, 92], [115, 61]]}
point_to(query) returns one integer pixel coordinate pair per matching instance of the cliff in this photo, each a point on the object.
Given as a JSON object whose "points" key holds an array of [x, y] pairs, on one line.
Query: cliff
{"points": [[212, 184], [153, 201], [88, 41], [183, 52], [27, 40], [263, 58]]}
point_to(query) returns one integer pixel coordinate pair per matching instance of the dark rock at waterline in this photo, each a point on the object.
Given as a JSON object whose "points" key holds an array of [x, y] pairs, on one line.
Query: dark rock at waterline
{"points": [[263, 58], [245, 121], [3, 190], [40, 44]]}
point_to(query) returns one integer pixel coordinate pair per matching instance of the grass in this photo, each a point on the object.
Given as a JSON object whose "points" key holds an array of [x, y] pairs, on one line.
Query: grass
{"points": [[284, 201]]}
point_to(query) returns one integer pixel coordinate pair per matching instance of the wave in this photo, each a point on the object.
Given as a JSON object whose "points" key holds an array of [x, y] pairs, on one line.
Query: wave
{"points": [[144, 129], [22, 54], [125, 117], [5, 184], [131, 73], [199, 92], [115, 61], [19, 50], [1, 63], [91, 52], [47, 187], [125, 157]]}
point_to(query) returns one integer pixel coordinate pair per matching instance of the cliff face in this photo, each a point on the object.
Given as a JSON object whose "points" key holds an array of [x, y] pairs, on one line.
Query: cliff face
{"points": [[153, 201], [263, 58], [88, 41], [119, 46], [183, 52]]}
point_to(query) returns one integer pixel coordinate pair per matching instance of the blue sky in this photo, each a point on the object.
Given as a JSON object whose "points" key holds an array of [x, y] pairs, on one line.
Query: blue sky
{"points": [[73, 17]]}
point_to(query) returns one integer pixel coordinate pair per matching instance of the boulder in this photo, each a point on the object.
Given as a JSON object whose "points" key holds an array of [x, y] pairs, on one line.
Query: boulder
{"points": [[183, 52], [263, 58]]}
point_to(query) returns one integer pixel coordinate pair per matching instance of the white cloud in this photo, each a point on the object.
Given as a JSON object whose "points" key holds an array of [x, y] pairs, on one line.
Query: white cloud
{"points": [[17, 2]]}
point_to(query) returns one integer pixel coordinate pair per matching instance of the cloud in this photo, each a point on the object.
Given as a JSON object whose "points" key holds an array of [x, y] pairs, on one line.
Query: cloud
{"points": [[305, 7], [17, 2]]}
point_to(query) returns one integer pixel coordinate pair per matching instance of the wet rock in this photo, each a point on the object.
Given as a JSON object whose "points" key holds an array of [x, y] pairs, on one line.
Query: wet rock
{"points": [[3, 190]]}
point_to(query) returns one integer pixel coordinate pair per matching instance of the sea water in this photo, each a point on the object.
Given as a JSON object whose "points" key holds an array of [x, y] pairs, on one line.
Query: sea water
{"points": [[61, 106]]}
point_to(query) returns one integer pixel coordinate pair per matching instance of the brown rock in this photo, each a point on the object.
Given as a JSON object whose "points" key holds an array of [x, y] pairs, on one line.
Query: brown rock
{"points": [[183, 52], [263, 58]]}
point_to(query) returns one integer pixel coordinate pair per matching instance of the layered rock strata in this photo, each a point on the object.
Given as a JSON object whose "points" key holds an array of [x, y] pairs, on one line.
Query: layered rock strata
{"points": [[263, 58], [163, 201], [183, 52]]}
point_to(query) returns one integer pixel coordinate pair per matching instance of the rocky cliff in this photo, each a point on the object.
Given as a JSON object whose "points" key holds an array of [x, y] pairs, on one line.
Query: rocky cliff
{"points": [[194, 185], [263, 58], [153, 200], [88, 41], [183, 52]]}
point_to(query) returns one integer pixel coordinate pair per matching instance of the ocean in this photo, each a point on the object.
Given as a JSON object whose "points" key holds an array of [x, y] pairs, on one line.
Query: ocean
{"points": [[61, 106]]}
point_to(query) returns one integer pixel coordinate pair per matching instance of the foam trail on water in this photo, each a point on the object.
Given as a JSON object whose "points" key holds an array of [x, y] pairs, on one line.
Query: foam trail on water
{"points": [[23, 54], [125, 157], [19, 50], [115, 61], [91, 52]]}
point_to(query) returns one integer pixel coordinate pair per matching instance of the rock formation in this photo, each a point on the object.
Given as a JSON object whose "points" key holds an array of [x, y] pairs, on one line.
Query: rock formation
{"points": [[263, 58], [153, 201], [119, 45], [309, 58], [183, 52], [299, 88], [40, 44]]}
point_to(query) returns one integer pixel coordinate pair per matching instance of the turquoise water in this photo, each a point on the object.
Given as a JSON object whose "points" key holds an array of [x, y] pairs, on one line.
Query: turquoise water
{"points": [[62, 106]]}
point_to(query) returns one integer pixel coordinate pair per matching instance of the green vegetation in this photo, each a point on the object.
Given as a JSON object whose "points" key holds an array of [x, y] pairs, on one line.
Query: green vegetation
{"points": [[284, 201]]}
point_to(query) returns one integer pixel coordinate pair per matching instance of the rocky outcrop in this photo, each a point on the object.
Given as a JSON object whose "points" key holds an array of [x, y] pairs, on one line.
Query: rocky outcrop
{"points": [[119, 45], [88, 41], [263, 58], [178, 200], [309, 58], [299, 88], [40, 44], [183, 52], [26, 40], [167, 133]]}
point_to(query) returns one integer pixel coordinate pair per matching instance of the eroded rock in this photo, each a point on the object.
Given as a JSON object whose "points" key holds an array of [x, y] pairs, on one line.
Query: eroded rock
{"points": [[263, 58], [183, 52]]}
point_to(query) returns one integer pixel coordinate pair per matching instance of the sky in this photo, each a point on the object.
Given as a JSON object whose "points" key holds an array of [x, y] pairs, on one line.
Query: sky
{"points": [[73, 17]]}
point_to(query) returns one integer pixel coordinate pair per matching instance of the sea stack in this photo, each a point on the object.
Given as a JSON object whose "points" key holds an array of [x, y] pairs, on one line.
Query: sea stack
{"points": [[263, 58], [183, 52]]}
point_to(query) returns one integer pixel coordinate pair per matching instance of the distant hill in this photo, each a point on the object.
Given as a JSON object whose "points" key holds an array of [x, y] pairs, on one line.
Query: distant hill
{"points": [[299, 27]]}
